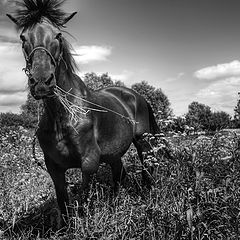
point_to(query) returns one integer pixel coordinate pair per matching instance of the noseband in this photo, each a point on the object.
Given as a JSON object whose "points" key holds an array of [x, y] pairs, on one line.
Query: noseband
{"points": [[28, 58]]}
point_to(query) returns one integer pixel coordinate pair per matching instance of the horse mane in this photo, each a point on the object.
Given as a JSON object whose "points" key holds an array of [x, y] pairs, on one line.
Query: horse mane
{"points": [[68, 57], [30, 12]]}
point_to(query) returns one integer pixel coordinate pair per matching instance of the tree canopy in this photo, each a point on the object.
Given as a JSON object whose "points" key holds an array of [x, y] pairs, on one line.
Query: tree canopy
{"points": [[219, 120], [236, 119], [201, 117], [95, 82], [198, 115], [157, 99]]}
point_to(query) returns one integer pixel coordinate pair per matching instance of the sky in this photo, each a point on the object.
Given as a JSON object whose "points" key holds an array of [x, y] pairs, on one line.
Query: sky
{"points": [[189, 48]]}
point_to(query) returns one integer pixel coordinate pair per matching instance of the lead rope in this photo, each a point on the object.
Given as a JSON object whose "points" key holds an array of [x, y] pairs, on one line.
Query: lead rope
{"points": [[102, 108], [34, 142]]}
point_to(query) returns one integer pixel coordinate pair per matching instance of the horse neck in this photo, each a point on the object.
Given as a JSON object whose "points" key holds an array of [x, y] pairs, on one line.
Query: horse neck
{"points": [[68, 82]]}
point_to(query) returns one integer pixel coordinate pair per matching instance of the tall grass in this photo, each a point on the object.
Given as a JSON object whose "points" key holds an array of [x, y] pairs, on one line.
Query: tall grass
{"points": [[196, 194]]}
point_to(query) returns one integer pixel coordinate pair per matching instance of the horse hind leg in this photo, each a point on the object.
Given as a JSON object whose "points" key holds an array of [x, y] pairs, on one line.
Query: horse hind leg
{"points": [[147, 171], [118, 174]]}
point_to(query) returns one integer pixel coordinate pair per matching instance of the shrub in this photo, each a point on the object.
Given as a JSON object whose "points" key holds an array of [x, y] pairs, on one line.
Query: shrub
{"points": [[11, 119]]}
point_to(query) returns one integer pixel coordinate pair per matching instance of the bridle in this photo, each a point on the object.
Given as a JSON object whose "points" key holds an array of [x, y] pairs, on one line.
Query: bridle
{"points": [[29, 57]]}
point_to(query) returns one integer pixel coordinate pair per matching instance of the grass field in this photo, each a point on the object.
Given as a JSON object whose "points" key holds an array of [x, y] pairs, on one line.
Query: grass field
{"points": [[196, 193]]}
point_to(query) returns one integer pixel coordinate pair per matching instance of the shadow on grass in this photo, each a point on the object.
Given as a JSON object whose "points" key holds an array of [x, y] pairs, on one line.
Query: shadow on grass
{"points": [[41, 221], [34, 224]]}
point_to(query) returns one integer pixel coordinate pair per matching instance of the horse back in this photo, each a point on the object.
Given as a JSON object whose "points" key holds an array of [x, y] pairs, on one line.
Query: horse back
{"points": [[137, 107]]}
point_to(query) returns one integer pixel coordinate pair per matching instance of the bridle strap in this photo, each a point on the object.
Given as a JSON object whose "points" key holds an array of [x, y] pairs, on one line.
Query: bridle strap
{"points": [[28, 57]]}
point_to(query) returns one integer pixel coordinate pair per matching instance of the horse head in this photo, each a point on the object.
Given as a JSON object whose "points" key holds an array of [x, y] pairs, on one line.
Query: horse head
{"points": [[42, 43]]}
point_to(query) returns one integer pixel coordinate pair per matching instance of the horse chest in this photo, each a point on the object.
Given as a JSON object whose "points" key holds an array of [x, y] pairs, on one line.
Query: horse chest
{"points": [[63, 152]]}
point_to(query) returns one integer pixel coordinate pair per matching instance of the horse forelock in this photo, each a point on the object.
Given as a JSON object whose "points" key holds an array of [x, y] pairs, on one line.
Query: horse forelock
{"points": [[31, 12]]}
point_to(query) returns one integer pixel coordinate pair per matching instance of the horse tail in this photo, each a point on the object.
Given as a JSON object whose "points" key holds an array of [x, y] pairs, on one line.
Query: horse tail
{"points": [[154, 129]]}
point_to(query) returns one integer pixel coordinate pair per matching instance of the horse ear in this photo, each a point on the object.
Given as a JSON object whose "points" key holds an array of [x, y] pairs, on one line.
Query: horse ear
{"points": [[68, 18], [12, 18]]}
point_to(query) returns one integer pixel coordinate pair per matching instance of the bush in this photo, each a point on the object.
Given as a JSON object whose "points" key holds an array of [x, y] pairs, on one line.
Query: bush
{"points": [[14, 120], [29, 121], [10, 119]]}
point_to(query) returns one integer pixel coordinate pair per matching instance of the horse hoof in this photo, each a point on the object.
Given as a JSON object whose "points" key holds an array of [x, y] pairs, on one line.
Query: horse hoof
{"points": [[57, 221]]}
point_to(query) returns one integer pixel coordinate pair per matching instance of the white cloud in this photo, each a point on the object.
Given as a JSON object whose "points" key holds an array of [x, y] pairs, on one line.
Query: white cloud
{"points": [[173, 79], [12, 78], [219, 71], [87, 54], [16, 99], [13, 81], [124, 76], [221, 95]]}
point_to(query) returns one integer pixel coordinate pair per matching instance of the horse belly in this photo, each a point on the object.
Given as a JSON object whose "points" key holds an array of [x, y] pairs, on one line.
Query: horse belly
{"points": [[116, 145]]}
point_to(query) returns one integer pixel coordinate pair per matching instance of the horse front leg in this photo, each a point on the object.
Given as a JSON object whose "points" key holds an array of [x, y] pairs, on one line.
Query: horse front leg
{"points": [[89, 165], [58, 176]]}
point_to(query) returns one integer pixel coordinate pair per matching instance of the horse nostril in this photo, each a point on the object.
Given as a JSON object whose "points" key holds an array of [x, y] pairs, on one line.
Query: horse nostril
{"points": [[32, 81], [47, 82]]}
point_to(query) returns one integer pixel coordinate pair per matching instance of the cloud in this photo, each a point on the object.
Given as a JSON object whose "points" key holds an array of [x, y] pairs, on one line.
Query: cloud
{"points": [[13, 81], [12, 78], [124, 76], [8, 39], [6, 6], [8, 32], [11, 100], [221, 92], [219, 71], [173, 79], [221, 95], [87, 54]]}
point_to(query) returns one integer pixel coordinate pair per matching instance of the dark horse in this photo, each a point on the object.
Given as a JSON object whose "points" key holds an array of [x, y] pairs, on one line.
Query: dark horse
{"points": [[109, 120]]}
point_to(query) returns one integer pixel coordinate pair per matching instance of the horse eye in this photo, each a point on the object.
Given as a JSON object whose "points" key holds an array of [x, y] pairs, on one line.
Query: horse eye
{"points": [[22, 38], [58, 36]]}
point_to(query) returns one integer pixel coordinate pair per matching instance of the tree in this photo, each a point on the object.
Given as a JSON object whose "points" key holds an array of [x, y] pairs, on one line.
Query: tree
{"points": [[236, 118], [198, 116], [219, 120], [95, 82], [156, 98]]}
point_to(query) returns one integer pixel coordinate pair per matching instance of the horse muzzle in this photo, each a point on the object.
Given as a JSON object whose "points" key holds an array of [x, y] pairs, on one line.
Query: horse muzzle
{"points": [[42, 88]]}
